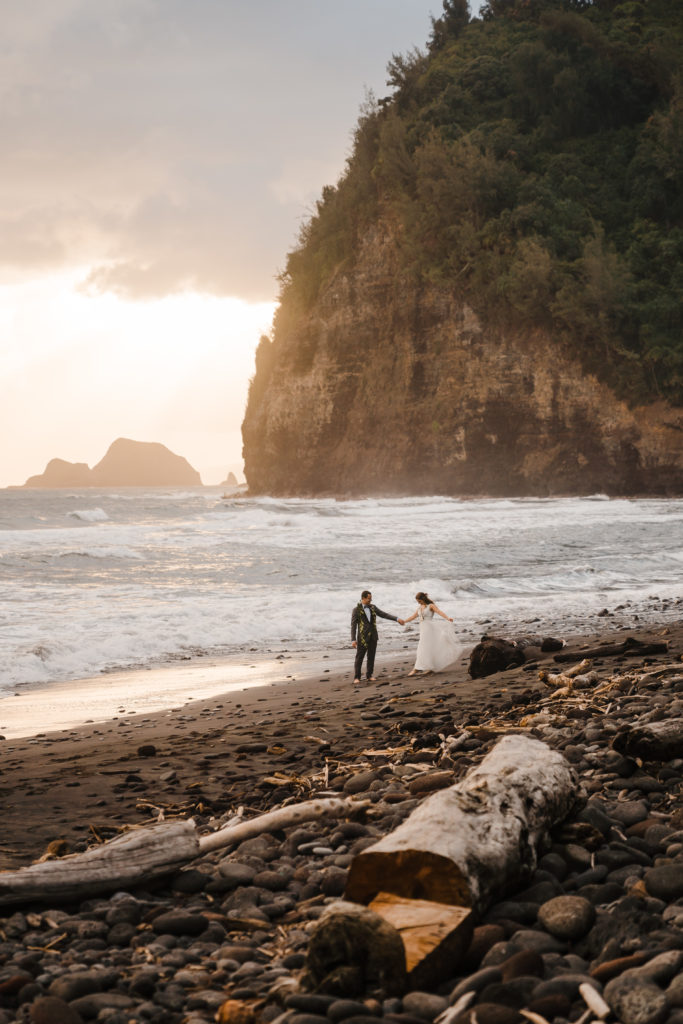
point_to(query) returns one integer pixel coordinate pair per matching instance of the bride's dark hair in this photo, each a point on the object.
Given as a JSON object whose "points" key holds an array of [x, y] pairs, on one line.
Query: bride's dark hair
{"points": [[423, 598]]}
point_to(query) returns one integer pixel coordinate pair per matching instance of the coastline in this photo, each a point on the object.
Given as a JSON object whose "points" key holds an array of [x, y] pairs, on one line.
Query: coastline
{"points": [[155, 689], [226, 933], [208, 756]]}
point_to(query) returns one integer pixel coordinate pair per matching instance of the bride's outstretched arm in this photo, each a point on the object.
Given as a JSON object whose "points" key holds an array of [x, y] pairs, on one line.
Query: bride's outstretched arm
{"points": [[411, 617], [439, 612]]}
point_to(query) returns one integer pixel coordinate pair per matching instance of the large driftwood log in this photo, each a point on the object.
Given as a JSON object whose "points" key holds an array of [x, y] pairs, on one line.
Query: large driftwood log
{"points": [[130, 859], [468, 844], [144, 854], [655, 741], [630, 646]]}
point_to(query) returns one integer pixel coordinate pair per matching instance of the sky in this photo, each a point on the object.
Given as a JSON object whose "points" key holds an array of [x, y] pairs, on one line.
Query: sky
{"points": [[158, 160]]}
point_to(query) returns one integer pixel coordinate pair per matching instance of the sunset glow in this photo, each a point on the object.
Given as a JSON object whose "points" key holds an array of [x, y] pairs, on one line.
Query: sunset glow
{"points": [[90, 368], [158, 162]]}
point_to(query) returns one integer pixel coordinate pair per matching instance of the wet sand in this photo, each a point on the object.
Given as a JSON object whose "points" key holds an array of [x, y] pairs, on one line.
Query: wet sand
{"points": [[212, 755], [60, 706]]}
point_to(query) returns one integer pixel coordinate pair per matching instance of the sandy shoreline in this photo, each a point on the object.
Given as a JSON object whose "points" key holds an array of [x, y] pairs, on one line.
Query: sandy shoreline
{"points": [[211, 755], [142, 691]]}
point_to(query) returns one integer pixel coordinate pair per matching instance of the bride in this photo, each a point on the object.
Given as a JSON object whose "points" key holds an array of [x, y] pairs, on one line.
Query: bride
{"points": [[438, 647]]}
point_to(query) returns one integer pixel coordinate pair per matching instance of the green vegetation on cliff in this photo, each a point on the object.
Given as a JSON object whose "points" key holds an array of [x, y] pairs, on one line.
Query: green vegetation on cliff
{"points": [[531, 161]]}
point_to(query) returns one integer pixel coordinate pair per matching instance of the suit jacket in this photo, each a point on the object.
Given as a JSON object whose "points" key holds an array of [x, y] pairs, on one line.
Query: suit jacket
{"points": [[359, 610]]}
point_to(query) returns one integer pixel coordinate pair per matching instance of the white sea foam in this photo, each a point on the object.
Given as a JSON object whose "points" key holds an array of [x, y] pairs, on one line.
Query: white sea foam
{"points": [[89, 515], [94, 581]]}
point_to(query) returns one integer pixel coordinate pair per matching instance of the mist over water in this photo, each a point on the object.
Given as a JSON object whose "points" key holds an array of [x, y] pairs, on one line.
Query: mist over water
{"points": [[95, 580]]}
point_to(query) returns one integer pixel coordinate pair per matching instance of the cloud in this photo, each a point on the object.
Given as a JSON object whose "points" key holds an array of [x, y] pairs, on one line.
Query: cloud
{"points": [[172, 145]]}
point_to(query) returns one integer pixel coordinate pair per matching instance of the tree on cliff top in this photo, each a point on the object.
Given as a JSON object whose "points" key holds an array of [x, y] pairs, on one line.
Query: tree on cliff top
{"points": [[531, 160]]}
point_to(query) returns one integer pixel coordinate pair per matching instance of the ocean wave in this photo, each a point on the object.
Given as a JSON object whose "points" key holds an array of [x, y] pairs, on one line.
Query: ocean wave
{"points": [[189, 573], [107, 551], [89, 515]]}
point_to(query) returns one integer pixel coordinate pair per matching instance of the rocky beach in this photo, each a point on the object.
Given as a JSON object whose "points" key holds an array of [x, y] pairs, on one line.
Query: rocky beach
{"points": [[595, 932]]}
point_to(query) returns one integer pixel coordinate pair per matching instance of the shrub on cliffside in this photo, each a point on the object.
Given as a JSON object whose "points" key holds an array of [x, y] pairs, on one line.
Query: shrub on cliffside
{"points": [[532, 161]]}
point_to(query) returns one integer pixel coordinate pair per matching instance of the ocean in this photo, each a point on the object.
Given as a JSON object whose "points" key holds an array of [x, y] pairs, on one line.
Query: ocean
{"points": [[92, 581]]}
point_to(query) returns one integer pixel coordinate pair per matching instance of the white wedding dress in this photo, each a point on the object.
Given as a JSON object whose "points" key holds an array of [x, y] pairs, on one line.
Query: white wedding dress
{"points": [[438, 647]]}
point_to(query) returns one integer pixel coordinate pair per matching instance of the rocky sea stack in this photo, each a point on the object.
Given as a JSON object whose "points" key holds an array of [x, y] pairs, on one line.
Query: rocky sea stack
{"points": [[488, 300], [126, 464]]}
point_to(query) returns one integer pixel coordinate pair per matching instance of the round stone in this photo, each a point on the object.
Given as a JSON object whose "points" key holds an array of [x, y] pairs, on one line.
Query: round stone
{"points": [[483, 938], [424, 1005], [52, 1010], [342, 1009], [629, 812], [525, 964], [665, 882], [636, 1002], [528, 938], [491, 1013], [235, 873], [567, 917], [179, 923], [360, 782], [334, 881], [566, 984]]}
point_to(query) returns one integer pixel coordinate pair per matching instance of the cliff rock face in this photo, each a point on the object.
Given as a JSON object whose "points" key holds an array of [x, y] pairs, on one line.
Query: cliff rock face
{"points": [[126, 464], [386, 388]]}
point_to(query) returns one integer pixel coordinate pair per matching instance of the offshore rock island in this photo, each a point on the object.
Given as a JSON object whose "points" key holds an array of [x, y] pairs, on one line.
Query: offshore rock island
{"points": [[489, 301], [126, 464]]}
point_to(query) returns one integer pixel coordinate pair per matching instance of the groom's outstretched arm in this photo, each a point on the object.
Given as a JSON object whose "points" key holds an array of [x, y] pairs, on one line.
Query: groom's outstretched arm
{"points": [[354, 623], [385, 615]]}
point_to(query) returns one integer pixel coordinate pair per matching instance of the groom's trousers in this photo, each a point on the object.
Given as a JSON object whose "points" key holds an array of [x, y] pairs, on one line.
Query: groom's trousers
{"points": [[361, 651]]}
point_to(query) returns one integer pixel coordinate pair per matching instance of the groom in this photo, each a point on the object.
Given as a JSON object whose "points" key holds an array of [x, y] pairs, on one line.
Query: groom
{"points": [[364, 633]]}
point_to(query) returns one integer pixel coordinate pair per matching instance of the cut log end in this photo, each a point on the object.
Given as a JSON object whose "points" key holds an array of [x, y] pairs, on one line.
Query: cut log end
{"points": [[434, 936], [412, 874]]}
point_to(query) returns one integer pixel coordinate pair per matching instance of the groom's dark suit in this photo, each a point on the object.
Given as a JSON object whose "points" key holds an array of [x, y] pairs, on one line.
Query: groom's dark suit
{"points": [[364, 631]]}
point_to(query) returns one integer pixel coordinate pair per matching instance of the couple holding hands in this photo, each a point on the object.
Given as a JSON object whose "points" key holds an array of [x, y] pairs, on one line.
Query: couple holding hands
{"points": [[436, 650]]}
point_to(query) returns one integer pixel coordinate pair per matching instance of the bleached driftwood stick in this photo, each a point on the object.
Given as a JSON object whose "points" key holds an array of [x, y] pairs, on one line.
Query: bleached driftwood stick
{"points": [[143, 854], [467, 844], [283, 817]]}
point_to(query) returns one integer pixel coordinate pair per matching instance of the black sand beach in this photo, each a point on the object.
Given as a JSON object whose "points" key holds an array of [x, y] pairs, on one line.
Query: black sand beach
{"points": [[252, 750]]}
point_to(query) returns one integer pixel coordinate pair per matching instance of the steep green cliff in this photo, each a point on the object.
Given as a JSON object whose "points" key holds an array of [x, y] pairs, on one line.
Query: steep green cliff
{"points": [[491, 298]]}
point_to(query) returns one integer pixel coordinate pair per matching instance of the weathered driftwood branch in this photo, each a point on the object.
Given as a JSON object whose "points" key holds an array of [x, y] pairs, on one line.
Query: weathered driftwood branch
{"points": [[467, 844], [655, 741], [630, 646], [129, 859], [142, 855], [283, 817]]}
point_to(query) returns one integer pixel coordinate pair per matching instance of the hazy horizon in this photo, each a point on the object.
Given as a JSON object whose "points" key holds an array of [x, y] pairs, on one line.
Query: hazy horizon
{"points": [[158, 162]]}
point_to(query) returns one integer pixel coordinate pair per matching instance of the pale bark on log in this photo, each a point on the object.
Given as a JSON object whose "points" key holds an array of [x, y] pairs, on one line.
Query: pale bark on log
{"points": [[130, 859], [655, 741], [468, 844], [144, 854]]}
